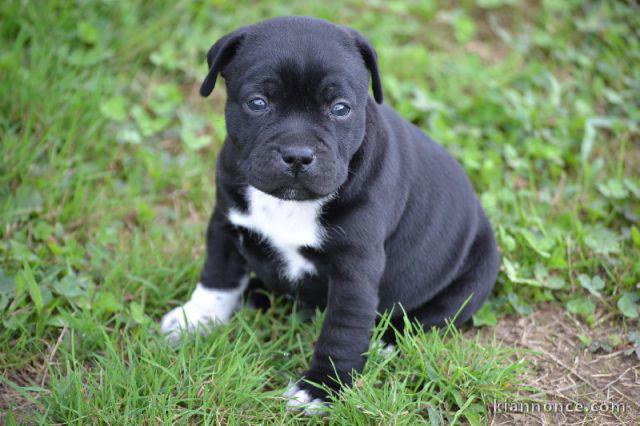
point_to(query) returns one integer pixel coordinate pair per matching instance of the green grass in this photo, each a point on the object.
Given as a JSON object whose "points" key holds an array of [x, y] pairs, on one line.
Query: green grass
{"points": [[237, 374], [106, 184]]}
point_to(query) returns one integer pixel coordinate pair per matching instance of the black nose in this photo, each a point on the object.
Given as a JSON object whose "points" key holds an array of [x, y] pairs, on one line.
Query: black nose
{"points": [[298, 158]]}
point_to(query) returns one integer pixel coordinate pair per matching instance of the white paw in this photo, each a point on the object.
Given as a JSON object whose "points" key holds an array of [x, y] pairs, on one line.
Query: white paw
{"points": [[383, 350], [206, 307], [300, 399]]}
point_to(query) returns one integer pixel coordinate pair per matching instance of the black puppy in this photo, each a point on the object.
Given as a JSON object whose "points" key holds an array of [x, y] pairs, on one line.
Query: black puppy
{"points": [[330, 196]]}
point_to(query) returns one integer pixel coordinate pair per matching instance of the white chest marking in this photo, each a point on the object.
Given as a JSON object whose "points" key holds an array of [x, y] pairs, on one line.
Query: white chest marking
{"points": [[286, 225]]}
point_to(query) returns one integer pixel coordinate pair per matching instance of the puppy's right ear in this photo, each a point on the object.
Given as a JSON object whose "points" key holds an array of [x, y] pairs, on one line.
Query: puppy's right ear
{"points": [[217, 57]]}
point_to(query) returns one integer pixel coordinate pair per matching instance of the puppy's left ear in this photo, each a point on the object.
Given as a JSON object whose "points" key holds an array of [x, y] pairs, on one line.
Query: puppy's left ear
{"points": [[218, 56], [371, 61]]}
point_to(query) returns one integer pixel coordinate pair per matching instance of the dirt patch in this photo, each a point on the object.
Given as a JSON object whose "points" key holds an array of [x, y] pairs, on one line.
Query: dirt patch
{"points": [[570, 384], [22, 403]]}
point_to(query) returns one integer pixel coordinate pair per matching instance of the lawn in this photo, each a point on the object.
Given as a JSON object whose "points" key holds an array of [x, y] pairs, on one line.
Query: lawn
{"points": [[107, 182]]}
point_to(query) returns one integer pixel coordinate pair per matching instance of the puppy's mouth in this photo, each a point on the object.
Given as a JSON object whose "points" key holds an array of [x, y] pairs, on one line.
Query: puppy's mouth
{"points": [[295, 193]]}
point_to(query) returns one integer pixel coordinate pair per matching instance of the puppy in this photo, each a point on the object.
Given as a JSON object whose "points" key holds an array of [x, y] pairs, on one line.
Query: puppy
{"points": [[326, 194]]}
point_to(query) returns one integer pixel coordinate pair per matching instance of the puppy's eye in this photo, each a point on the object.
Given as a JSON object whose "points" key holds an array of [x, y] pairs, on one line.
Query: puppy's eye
{"points": [[257, 104], [340, 109]]}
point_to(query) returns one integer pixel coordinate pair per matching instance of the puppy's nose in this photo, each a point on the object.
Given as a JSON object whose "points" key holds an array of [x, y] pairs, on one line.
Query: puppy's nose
{"points": [[298, 158]]}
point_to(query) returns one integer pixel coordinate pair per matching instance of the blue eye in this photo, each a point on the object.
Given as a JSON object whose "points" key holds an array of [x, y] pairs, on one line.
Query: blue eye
{"points": [[340, 109], [257, 104]]}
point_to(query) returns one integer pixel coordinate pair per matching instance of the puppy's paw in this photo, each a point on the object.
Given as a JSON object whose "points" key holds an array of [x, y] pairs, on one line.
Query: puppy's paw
{"points": [[206, 307], [382, 349], [186, 318], [300, 398]]}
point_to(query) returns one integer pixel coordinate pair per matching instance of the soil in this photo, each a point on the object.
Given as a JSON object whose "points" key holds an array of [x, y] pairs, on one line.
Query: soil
{"points": [[573, 383]]}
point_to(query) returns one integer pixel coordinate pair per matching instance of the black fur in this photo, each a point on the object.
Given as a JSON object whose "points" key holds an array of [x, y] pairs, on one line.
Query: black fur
{"points": [[404, 228]]}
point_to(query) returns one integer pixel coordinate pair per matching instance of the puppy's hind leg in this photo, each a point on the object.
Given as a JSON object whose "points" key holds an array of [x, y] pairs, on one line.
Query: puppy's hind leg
{"points": [[452, 305]]}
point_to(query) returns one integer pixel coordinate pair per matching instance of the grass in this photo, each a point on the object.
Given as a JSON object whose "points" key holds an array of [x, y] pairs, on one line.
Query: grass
{"points": [[106, 185], [236, 376]]}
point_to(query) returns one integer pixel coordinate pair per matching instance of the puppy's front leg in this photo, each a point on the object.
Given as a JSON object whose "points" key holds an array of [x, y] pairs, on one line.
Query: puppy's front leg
{"points": [[346, 331], [222, 281]]}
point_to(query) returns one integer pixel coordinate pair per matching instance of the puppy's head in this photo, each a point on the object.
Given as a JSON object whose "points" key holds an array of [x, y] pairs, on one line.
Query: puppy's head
{"points": [[297, 89]]}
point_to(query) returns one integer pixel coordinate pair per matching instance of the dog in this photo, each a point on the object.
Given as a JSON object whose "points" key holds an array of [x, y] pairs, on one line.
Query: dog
{"points": [[326, 194]]}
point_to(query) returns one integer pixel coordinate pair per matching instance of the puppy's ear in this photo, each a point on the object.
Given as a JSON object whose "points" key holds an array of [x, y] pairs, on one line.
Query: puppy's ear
{"points": [[371, 61], [217, 57]]}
